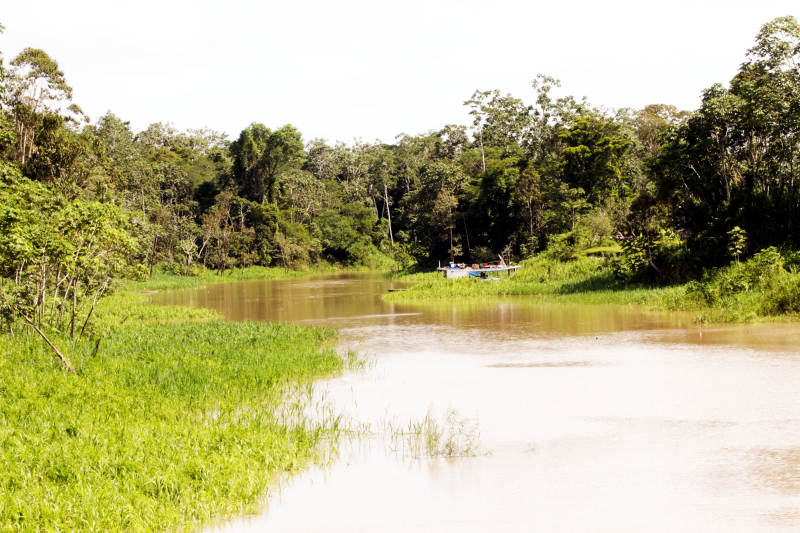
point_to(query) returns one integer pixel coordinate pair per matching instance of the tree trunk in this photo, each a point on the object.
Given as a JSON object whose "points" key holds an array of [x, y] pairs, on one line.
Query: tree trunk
{"points": [[388, 212], [530, 218], [55, 294], [64, 300]]}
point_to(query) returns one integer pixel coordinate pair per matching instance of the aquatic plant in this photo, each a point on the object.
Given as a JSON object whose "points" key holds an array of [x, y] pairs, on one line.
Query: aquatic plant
{"points": [[454, 436]]}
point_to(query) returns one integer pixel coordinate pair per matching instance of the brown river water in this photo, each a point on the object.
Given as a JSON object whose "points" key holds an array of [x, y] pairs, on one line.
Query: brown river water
{"points": [[590, 417]]}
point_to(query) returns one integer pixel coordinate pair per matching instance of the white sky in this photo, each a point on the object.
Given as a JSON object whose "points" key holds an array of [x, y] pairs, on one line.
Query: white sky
{"points": [[343, 70]]}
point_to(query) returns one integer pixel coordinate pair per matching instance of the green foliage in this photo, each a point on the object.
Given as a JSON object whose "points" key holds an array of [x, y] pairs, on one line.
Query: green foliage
{"points": [[260, 154], [585, 280], [651, 258], [593, 156], [200, 276], [35, 89], [56, 253], [563, 246], [732, 163], [346, 235], [762, 286]]}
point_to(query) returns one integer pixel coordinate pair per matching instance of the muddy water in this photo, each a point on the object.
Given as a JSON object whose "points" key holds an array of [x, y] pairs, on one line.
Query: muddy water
{"points": [[591, 418]]}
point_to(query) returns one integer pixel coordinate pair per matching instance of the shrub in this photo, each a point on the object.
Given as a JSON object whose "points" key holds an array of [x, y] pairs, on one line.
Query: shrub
{"points": [[651, 258], [773, 289]]}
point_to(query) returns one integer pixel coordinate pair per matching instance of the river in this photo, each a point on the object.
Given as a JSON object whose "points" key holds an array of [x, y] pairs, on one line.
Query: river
{"points": [[588, 417]]}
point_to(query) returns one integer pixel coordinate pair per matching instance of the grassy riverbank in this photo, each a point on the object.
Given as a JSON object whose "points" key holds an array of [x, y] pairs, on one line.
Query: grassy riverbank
{"points": [[202, 276], [767, 287], [175, 417], [585, 280]]}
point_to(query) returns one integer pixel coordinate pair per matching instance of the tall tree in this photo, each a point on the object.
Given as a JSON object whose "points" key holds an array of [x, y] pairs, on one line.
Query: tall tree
{"points": [[593, 155], [36, 86], [260, 154]]}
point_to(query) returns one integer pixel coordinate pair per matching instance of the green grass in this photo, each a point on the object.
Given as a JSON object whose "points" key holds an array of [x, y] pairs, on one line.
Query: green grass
{"points": [[174, 418], [581, 281], [731, 294], [202, 276], [162, 280]]}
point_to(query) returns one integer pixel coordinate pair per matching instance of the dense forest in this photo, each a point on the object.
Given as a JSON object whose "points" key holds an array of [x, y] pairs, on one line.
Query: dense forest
{"points": [[663, 192]]}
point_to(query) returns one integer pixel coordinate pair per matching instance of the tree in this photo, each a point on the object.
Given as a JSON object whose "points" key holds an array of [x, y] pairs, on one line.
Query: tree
{"points": [[528, 196], [301, 193], [734, 162], [36, 86], [260, 154], [381, 163], [652, 122], [593, 156], [550, 117], [499, 121], [737, 240], [441, 184], [59, 256]]}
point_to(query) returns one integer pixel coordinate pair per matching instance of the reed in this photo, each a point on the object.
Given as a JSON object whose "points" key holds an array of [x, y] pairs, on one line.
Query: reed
{"points": [[452, 436]]}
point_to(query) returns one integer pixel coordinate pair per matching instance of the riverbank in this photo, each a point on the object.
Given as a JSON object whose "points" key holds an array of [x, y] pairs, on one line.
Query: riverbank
{"points": [[173, 417], [767, 287], [200, 276]]}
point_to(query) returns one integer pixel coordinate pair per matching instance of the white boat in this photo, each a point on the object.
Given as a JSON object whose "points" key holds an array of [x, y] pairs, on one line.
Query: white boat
{"points": [[477, 270]]}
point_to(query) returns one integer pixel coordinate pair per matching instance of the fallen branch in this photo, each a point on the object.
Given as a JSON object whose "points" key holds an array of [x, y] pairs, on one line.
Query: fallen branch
{"points": [[57, 352]]}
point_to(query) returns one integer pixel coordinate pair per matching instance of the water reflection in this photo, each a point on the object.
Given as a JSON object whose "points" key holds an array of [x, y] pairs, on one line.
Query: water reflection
{"points": [[598, 417]]}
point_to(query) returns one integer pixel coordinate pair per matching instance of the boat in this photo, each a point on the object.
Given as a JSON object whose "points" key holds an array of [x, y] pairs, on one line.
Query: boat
{"points": [[481, 271]]}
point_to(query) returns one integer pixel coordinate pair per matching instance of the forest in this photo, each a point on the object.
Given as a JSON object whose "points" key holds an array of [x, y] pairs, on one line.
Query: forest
{"points": [[661, 194]]}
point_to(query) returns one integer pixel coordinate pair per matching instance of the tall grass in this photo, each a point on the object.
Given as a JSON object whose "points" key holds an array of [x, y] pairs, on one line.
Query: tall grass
{"points": [[173, 418], [586, 280]]}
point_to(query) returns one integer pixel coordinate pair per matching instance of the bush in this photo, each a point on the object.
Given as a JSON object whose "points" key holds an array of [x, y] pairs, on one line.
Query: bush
{"points": [[563, 246], [651, 258], [784, 298], [763, 279]]}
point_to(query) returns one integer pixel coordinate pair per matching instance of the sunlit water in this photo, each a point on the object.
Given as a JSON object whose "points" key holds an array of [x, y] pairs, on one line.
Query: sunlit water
{"points": [[592, 418]]}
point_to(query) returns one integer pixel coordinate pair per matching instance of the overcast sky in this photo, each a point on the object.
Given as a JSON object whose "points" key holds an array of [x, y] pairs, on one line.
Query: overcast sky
{"points": [[345, 70]]}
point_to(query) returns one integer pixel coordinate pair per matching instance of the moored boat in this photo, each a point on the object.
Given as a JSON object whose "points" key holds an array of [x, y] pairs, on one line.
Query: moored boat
{"points": [[477, 270]]}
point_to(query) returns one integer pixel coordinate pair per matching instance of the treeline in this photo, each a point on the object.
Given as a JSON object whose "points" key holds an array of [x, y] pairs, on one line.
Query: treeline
{"points": [[668, 192]]}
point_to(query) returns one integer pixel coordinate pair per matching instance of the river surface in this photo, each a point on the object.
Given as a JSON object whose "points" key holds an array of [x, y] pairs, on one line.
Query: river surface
{"points": [[590, 417]]}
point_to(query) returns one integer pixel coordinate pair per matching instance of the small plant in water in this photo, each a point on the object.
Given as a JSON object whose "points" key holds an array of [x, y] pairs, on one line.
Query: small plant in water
{"points": [[452, 437]]}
